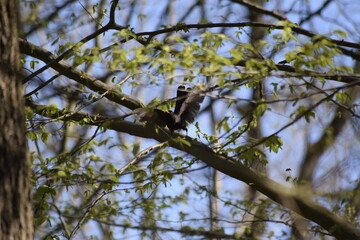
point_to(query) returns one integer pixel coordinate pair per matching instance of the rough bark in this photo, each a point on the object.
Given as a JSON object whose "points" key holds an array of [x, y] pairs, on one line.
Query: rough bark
{"points": [[15, 198]]}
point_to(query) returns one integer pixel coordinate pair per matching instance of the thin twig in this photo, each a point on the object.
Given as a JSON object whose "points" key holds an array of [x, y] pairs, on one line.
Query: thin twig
{"points": [[44, 84], [287, 125], [261, 10], [86, 213], [140, 155], [61, 220], [91, 102], [122, 170], [335, 102], [111, 25]]}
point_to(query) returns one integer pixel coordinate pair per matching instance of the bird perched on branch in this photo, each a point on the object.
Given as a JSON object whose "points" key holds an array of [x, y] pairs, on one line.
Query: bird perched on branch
{"points": [[187, 106]]}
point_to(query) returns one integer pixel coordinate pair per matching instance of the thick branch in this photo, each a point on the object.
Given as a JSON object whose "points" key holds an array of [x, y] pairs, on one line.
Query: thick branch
{"points": [[112, 12], [295, 198], [80, 77]]}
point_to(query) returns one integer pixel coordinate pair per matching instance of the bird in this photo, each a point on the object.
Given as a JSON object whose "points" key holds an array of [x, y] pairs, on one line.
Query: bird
{"points": [[187, 107]]}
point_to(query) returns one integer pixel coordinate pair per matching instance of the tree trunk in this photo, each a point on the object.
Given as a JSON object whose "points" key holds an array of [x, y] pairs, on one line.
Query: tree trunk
{"points": [[15, 197]]}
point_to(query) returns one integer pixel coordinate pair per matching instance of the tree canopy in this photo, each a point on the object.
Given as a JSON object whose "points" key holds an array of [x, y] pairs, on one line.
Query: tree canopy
{"points": [[273, 153]]}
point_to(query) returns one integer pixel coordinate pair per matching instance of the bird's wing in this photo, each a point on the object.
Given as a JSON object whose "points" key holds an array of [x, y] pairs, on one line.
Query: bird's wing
{"points": [[180, 98], [190, 107], [156, 116]]}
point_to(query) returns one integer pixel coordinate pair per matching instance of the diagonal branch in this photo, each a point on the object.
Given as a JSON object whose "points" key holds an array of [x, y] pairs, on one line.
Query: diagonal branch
{"points": [[260, 9], [86, 213], [140, 155], [329, 135], [79, 76], [295, 198], [317, 12]]}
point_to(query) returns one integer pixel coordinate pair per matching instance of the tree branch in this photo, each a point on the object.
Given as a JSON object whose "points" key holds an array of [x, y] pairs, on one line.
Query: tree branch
{"points": [[86, 213], [329, 135], [80, 77], [186, 231], [246, 24], [112, 12], [49, 18], [260, 9], [317, 12], [295, 198], [111, 25]]}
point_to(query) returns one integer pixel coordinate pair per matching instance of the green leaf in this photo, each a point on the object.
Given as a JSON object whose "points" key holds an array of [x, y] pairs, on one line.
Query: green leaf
{"points": [[61, 174], [136, 148], [43, 190], [32, 135], [303, 111], [44, 136], [340, 33], [113, 178], [342, 97], [183, 141], [274, 143], [33, 63]]}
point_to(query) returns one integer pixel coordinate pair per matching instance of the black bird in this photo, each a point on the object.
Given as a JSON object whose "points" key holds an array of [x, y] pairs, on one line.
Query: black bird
{"points": [[187, 106]]}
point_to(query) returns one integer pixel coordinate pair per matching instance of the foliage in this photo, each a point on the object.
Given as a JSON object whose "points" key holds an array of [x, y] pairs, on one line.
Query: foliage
{"points": [[280, 99]]}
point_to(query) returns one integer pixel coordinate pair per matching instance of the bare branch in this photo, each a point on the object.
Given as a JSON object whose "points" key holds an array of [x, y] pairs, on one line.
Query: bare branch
{"points": [[86, 213], [260, 9]]}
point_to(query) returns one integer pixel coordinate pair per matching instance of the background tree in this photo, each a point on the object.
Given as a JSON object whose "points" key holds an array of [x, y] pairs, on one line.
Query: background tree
{"points": [[16, 220], [274, 152]]}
